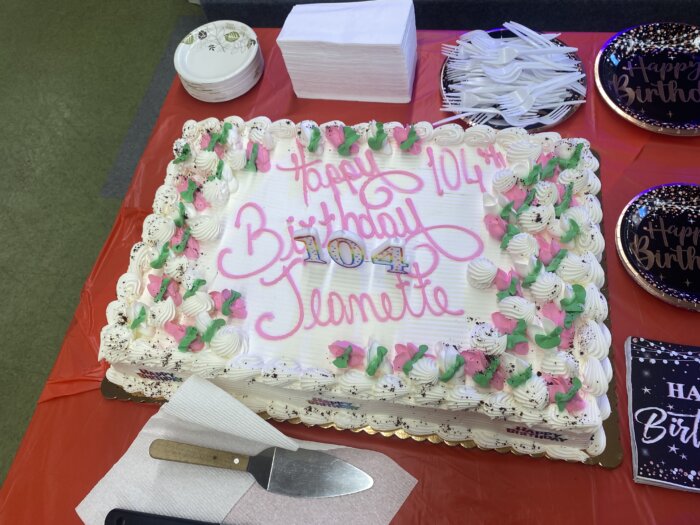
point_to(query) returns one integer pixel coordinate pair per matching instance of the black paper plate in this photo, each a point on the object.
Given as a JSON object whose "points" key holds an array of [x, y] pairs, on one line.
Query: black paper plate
{"points": [[658, 240], [499, 123], [650, 75]]}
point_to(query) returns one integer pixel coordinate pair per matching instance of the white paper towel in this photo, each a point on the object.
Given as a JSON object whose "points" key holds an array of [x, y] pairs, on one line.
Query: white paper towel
{"points": [[202, 414]]}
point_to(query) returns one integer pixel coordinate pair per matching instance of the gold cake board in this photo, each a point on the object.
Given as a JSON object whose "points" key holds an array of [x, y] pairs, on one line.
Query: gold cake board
{"points": [[610, 458]]}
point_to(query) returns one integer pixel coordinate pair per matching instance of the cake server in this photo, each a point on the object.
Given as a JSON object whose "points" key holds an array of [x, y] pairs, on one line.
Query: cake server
{"points": [[302, 473]]}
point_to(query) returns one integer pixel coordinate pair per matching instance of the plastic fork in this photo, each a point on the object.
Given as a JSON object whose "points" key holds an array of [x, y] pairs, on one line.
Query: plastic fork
{"points": [[522, 99]]}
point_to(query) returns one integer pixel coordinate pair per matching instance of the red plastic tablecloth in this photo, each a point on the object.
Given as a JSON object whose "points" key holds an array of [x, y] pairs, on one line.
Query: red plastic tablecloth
{"points": [[75, 435]]}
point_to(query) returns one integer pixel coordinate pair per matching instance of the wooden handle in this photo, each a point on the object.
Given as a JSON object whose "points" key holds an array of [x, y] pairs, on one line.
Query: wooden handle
{"points": [[194, 455]]}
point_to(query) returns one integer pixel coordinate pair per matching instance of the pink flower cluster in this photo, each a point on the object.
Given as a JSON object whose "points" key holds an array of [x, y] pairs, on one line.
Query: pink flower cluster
{"points": [[552, 312], [178, 331], [405, 353], [172, 291], [475, 361], [262, 160], [200, 203], [336, 136], [192, 246], [401, 134], [357, 353], [562, 384], [238, 308]]}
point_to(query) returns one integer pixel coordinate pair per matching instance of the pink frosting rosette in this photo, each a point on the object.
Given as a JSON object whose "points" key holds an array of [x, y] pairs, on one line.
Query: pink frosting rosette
{"points": [[548, 249], [401, 135], [172, 290], [192, 246], [237, 307], [336, 136], [204, 144], [517, 195], [557, 316], [178, 332], [562, 190], [495, 226], [561, 385], [200, 203], [507, 326], [404, 353], [345, 349], [262, 160], [502, 280], [475, 362]]}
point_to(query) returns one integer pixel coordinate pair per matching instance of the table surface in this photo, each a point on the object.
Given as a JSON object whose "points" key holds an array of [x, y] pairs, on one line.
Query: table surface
{"points": [[75, 435]]}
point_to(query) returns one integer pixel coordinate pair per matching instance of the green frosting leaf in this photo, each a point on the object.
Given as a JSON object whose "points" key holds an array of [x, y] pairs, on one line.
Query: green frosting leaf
{"points": [[484, 378], [574, 160], [180, 219], [315, 139], [507, 210], [226, 306], [195, 286], [452, 370], [223, 137], [550, 340], [343, 360], [190, 335], [250, 165], [219, 169], [533, 176], [511, 232], [526, 203], [531, 277], [188, 194], [565, 200], [572, 232], [556, 261], [561, 399], [163, 288], [548, 171], [377, 142], [373, 365], [519, 335], [184, 155], [528, 200], [351, 137], [511, 290], [180, 247], [408, 366], [574, 306], [410, 140], [219, 138], [139, 319], [212, 329], [159, 261], [518, 379]]}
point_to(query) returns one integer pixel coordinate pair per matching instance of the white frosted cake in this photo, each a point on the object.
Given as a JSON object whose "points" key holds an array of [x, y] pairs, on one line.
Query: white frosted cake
{"points": [[438, 281]]}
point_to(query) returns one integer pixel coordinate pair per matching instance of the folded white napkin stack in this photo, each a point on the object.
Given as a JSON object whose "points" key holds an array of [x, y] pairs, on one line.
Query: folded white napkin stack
{"points": [[351, 51]]}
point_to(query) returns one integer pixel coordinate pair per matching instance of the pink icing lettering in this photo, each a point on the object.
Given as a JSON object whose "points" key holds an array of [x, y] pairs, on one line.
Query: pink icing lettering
{"points": [[491, 155], [253, 233]]}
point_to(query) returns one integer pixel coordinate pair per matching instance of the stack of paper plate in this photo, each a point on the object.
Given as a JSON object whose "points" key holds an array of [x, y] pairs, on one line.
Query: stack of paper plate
{"points": [[219, 61]]}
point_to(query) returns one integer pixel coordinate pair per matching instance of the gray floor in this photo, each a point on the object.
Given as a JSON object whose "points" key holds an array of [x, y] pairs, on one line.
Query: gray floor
{"points": [[74, 77]]}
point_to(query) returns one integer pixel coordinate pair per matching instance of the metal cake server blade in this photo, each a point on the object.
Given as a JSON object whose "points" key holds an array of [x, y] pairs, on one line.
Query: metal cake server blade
{"points": [[300, 474]]}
